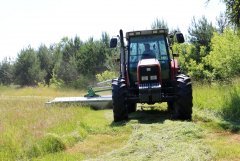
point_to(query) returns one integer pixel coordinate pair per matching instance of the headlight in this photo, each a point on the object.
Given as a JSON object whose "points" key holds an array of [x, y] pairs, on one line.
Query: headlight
{"points": [[153, 77], [144, 78]]}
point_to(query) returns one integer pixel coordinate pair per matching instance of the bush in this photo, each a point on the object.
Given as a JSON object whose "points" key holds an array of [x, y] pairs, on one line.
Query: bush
{"points": [[224, 58], [55, 82], [106, 75], [48, 144], [82, 82]]}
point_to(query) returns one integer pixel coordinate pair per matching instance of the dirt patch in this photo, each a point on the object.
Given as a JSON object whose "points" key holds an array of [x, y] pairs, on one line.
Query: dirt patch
{"points": [[227, 135], [236, 137]]}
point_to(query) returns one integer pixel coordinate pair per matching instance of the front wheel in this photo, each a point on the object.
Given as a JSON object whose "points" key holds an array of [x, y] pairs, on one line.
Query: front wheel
{"points": [[170, 107], [183, 103], [120, 111], [132, 107]]}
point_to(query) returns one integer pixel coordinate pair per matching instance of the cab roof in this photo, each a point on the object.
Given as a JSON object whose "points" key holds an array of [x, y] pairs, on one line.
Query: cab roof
{"points": [[147, 32]]}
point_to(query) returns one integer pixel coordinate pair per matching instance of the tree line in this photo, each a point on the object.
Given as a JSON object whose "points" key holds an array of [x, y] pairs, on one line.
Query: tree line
{"points": [[70, 62], [211, 53]]}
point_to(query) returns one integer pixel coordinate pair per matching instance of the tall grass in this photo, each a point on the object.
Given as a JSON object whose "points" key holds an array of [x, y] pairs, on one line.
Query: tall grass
{"points": [[218, 102], [29, 129], [231, 107]]}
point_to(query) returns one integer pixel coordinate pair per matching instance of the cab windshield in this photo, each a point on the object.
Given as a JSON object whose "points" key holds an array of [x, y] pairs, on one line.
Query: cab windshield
{"points": [[153, 46], [147, 47]]}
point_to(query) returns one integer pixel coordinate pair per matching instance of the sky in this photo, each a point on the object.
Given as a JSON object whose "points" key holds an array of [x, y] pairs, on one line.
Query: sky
{"points": [[36, 22]]}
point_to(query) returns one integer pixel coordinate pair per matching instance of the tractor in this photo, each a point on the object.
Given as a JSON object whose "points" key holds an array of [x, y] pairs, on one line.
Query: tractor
{"points": [[149, 73]]}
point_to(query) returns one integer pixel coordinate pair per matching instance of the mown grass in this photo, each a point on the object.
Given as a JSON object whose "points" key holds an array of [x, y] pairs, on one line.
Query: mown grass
{"points": [[166, 140]]}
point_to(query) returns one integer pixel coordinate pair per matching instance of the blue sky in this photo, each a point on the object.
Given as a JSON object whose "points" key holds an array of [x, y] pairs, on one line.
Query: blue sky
{"points": [[35, 22]]}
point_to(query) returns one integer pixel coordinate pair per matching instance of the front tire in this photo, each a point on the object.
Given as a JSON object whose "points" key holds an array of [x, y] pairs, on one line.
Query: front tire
{"points": [[132, 107], [119, 92], [183, 103]]}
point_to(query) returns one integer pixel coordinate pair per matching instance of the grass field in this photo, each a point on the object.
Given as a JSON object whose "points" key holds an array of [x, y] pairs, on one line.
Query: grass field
{"points": [[29, 130]]}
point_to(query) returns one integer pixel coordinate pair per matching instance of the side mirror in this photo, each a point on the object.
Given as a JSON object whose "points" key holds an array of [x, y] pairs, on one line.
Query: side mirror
{"points": [[179, 37], [113, 43]]}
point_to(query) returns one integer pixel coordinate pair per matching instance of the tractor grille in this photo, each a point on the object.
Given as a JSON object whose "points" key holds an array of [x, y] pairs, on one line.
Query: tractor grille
{"points": [[150, 92], [149, 75], [149, 86]]}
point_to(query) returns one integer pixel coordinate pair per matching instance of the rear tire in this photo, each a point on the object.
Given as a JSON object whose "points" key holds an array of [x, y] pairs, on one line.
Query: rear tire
{"points": [[183, 104], [119, 91], [170, 107], [132, 107]]}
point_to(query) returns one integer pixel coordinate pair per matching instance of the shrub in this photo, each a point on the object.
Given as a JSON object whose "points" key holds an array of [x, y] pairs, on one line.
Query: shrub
{"points": [[55, 82], [49, 144], [106, 75], [82, 82]]}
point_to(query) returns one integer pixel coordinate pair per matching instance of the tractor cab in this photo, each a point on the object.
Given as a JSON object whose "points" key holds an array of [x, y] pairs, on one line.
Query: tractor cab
{"points": [[145, 45]]}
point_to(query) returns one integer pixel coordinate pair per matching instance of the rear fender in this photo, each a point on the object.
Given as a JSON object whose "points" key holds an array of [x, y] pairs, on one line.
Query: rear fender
{"points": [[174, 68]]}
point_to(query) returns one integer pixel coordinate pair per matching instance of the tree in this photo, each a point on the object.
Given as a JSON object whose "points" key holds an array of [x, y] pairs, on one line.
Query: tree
{"points": [[67, 71], [91, 57], [111, 54], [65, 66], [45, 57], [224, 58], [221, 22], [201, 32], [27, 68], [232, 11], [6, 72], [159, 24], [105, 39]]}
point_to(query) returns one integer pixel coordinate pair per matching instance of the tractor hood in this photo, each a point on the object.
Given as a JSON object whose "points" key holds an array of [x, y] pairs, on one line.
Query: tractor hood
{"points": [[149, 71]]}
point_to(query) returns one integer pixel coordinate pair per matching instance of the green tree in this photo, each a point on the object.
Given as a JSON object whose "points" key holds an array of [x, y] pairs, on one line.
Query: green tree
{"points": [[67, 71], [45, 57], [91, 57], [112, 55], [27, 68], [224, 58], [222, 22], [188, 63], [159, 23], [201, 32], [6, 72], [105, 39], [64, 55], [232, 11]]}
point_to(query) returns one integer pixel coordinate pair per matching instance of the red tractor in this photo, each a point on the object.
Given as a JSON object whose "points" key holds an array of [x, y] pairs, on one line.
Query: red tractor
{"points": [[150, 74]]}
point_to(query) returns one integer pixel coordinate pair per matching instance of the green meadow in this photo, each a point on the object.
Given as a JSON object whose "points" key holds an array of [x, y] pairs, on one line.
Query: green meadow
{"points": [[30, 130]]}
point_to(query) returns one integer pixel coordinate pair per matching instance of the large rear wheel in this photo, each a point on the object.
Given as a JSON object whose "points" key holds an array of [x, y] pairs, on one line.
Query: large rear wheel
{"points": [[119, 92], [183, 103]]}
